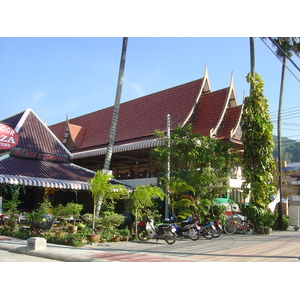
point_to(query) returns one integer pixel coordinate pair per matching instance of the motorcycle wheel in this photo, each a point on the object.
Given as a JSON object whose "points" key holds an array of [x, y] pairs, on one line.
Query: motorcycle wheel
{"points": [[170, 238], [194, 234], [143, 235], [216, 232], [207, 233]]}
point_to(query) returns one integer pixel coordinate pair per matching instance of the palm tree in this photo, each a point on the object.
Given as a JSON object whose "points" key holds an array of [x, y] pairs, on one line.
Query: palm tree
{"points": [[115, 115], [285, 46], [142, 198], [102, 189]]}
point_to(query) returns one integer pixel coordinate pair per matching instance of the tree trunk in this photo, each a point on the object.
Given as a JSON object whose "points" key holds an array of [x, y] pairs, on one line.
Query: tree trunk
{"points": [[115, 115], [252, 60]]}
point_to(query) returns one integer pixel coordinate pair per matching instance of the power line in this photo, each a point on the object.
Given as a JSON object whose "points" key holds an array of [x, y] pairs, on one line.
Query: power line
{"points": [[290, 108], [296, 52], [279, 59], [284, 53]]}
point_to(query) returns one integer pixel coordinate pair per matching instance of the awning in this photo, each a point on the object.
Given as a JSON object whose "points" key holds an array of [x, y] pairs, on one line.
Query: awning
{"points": [[44, 182], [119, 148]]}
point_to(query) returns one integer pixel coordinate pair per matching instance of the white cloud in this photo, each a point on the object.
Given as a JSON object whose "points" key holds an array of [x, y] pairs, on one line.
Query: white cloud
{"points": [[135, 86]]}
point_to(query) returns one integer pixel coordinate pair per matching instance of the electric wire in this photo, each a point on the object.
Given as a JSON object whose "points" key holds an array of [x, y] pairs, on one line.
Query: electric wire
{"points": [[279, 59], [296, 52], [284, 53]]}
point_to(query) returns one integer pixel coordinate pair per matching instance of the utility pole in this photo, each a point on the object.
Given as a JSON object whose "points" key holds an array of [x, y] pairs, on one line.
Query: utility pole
{"points": [[280, 215], [168, 168]]}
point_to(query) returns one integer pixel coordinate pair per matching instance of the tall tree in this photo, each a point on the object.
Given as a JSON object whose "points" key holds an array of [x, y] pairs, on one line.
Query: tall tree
{"points": [[285, 47], [113, 127], [203, 163], [258, 162]]}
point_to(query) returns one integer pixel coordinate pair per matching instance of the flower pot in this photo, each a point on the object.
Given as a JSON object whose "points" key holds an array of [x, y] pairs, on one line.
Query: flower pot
{"points": [[116, 239], [37, 225], [268, 230], [73, 229], [93, 238], [259, 230]]}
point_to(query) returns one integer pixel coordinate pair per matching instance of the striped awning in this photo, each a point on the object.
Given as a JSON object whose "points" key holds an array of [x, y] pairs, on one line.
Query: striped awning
{"points": [[120, 148], [44, 182]]}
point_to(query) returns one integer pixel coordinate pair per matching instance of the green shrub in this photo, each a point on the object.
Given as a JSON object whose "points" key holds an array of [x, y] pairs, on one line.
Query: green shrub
{"points": [[107, 234], [285, 224]]}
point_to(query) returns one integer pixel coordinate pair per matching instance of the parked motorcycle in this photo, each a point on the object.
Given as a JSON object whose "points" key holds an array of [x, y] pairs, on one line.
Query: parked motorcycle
{"points": [[218, 229], [147, 230], [188, 230], [206, 229]]}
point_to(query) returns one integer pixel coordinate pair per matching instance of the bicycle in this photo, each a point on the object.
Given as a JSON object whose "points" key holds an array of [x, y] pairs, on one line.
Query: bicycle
{"points": [[232, 226]]}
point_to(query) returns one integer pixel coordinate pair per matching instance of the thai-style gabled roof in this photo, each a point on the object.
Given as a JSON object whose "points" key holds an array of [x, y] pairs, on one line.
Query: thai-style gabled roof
{"points": [[218, 115], [34, 135], [138, 118], [212, 113], [40, 159]]}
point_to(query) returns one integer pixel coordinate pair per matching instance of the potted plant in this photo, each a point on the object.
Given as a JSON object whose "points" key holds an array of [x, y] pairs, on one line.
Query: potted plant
{"points": [[268, 219], [36, 221], [11, 207], [72, 210], [124, 234], [11, 210]]}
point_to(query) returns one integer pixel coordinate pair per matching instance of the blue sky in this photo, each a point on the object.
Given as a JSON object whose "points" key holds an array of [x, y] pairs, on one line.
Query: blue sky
{"points": [[76, 76]]}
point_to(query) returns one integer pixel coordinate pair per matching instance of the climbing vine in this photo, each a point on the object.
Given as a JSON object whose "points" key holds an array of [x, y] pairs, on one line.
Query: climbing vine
{"points": [[258, 162]]}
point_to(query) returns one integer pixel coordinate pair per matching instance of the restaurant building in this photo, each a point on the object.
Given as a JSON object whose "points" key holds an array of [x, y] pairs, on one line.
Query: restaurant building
{"points": [[212, 113], [39, 163]]}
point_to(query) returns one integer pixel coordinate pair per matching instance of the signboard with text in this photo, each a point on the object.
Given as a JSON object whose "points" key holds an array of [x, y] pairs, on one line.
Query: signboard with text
{"points": [[31, 154], [8, 137]]}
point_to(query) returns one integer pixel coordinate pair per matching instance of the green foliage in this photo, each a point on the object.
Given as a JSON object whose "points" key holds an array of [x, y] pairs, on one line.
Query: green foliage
{"points": [[203, 207], [102, 190], [217, 212], [111, 221], [181, 198], [284, 226], [45, 206], [200, 163], [268, 219], [258, 144], [72, 209], [143, 198], [290, 149]]}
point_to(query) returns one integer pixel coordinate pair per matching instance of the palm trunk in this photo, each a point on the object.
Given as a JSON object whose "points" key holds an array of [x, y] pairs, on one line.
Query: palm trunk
{"points": [[115, 115], [252, 61]]}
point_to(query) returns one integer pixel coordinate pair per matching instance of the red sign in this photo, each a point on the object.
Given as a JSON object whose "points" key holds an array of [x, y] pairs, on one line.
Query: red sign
{"points": [[8, 137]]}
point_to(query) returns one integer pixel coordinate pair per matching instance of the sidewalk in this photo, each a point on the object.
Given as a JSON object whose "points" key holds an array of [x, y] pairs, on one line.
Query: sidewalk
{"points": [[88, 253], [280, 246]]}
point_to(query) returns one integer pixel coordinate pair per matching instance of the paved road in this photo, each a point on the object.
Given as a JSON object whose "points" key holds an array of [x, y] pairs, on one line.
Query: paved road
{"points": [[6, 256], [280, 246]]}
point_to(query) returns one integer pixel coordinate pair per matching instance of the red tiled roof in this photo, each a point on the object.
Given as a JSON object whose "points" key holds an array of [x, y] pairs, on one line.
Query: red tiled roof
{"points": [[138, 118], [208, 113], [230, 121]]}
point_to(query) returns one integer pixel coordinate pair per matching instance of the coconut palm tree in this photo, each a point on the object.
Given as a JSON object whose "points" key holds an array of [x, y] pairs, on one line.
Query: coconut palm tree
{"points": [[285, 47], [115, 115]]}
